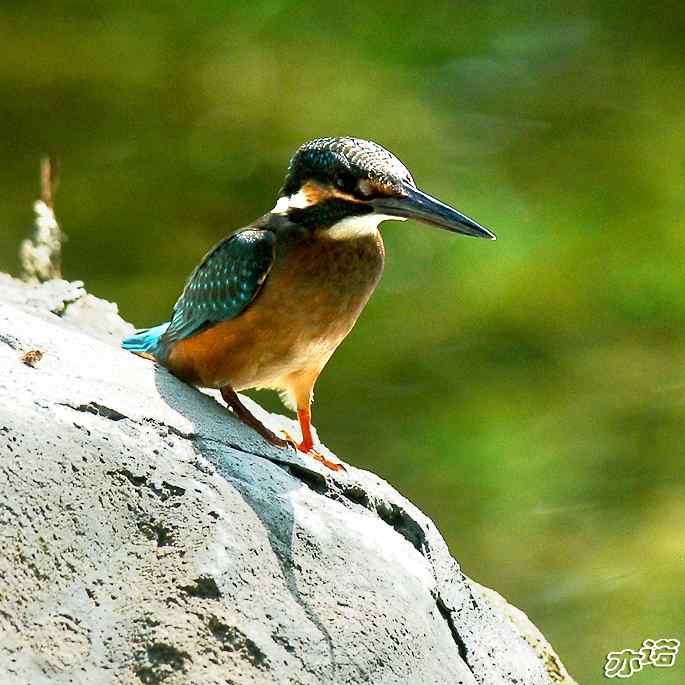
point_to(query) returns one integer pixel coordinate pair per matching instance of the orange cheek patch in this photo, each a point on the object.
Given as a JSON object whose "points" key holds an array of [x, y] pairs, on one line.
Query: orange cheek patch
{"points": [[315, 193]]}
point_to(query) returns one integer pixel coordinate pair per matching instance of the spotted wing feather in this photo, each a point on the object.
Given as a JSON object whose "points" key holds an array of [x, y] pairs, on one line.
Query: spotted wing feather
{"points": [[223, 284]]}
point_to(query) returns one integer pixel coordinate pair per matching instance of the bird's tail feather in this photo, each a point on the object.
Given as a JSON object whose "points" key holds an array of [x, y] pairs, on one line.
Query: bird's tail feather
{"points": [[145, 341]]}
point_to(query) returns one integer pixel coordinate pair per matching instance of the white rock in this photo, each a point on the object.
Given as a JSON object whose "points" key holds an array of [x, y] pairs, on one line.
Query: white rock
{"points": [[148, 536]]}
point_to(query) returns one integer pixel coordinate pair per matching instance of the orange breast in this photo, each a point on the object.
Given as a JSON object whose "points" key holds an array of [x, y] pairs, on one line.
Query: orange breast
{"points": [[308, 304]]}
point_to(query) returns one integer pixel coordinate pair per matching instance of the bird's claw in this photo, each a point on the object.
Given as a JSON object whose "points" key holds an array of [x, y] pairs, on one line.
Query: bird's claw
{"points": [[288, 440], [332, 465], [314, 454]]}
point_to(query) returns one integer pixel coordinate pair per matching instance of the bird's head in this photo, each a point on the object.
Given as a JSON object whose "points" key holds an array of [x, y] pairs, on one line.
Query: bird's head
{"points": [[347, 186]]}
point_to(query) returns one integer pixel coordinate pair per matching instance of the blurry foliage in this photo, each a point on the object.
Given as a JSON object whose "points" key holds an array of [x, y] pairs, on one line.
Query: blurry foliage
{"points": [[529, 394]]}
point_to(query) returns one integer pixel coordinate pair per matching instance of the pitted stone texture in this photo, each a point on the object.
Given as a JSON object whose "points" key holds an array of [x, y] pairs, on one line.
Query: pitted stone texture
{"points": [[146, 536]]}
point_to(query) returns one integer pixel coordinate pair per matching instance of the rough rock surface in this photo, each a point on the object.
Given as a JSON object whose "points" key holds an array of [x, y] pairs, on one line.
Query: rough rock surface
{"points": [[146, 536]]}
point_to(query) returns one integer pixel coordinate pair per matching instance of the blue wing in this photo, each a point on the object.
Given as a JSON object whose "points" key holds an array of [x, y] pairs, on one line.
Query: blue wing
{"points": [[224, 283]]}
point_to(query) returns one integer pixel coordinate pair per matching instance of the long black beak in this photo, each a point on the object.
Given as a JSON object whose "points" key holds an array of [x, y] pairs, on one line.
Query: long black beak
{"points": [[415, 204]]}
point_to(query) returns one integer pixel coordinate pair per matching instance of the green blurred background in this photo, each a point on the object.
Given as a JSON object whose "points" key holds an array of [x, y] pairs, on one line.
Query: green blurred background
{"points": [[528, 394]]}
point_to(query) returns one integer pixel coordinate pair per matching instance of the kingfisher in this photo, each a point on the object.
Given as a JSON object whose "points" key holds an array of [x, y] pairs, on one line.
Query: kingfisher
{"points": [[270, 303]]}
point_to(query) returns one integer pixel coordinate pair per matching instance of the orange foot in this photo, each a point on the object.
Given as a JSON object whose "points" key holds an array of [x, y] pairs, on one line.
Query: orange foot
{"points": [[308, 449]]}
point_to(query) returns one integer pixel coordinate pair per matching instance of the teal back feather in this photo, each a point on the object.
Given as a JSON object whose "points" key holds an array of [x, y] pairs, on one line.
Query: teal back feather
{"points": [[146, 340], [224, 283]]}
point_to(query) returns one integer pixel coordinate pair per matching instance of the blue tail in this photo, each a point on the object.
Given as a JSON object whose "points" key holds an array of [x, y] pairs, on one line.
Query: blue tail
{"points": [[145, 340]]}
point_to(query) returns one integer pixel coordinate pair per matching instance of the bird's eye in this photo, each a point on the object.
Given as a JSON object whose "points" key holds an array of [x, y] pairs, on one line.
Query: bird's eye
{"points": [[345, 182]]}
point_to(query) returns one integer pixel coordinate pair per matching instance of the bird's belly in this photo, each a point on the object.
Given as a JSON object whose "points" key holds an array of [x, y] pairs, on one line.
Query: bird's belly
{"points": [[307, 306]]}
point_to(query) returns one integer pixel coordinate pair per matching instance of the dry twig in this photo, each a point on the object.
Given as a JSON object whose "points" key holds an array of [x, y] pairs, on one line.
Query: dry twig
{"points": [[41, 255]]}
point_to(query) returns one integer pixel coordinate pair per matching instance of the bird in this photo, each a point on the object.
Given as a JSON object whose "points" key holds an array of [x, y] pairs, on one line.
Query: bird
{"points": [[269, 304]]}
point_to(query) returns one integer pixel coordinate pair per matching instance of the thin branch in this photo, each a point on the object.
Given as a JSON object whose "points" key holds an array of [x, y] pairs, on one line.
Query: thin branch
{"points": [[48, 180], [41, 255]]}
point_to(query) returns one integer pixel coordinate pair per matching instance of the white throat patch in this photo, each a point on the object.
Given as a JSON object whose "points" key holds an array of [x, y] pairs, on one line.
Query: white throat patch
{"points": [[350, 227], [358, 226]]}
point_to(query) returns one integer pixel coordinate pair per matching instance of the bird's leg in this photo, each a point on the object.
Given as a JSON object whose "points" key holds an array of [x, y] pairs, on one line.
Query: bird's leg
{"points": [[302, 390], [305, 418], [307, 445], [243, 413]]}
